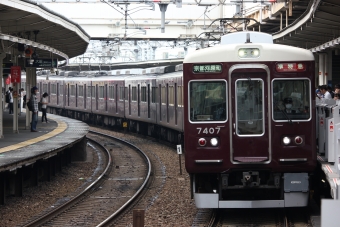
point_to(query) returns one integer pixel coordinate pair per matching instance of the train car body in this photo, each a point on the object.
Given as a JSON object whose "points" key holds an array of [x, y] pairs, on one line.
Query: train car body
{"points": [[249, 123]]}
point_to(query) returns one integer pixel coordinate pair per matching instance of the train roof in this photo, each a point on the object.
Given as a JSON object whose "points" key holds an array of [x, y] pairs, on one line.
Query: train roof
{"points": [[122, 65], [267, 52]]}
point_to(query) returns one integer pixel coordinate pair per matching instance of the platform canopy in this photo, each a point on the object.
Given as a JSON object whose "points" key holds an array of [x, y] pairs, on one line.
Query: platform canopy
{"points": [[26, 24]]}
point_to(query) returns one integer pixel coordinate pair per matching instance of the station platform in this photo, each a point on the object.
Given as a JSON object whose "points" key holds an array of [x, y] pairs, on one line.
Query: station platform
{"points": [[29, 157], [18, 148]]}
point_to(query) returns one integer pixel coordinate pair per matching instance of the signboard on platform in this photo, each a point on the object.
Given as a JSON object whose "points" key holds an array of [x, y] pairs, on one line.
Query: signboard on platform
{"points": [[15, 74], [41, 63]]}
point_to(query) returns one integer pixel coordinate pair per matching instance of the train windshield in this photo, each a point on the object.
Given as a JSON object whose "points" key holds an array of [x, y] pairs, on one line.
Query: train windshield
{"points": [[208, 101], [291, 100]]}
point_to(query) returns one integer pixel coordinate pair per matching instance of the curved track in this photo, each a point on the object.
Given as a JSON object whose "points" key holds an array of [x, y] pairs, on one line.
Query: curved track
{"points": [[119, 184]]}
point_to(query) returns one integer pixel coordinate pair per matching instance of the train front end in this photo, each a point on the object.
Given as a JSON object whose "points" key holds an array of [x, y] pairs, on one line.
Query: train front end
{"points": [[249, 129]]}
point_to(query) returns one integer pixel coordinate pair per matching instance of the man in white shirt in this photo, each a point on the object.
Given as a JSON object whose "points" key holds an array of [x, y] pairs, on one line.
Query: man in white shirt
{"points": [[325, 92]]}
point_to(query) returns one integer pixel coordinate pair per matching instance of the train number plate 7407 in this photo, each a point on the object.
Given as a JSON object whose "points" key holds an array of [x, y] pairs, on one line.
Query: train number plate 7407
{"points": [[211, 130]]}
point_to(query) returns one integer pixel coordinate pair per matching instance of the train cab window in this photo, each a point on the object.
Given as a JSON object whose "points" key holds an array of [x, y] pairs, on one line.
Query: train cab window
{"points": [[207, 101], [291, 99], [249, 106]]}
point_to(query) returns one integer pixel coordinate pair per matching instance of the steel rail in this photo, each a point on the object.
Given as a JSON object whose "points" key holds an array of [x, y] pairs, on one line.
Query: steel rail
{"points": [[46, 217], [115, 214]]}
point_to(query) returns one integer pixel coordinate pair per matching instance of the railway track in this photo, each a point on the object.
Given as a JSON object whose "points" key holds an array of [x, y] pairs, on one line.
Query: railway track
{"points": [[118, 186], [277, 217]]}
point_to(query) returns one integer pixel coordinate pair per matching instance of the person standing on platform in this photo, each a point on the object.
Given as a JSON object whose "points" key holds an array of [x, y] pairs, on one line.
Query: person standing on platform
{"points": [[10, 100], [44, 107], [34, 103], [325, 92]]}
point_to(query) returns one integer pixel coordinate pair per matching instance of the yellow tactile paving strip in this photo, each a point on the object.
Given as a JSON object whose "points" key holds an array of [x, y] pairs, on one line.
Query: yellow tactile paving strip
{"points": [[62, 126]]}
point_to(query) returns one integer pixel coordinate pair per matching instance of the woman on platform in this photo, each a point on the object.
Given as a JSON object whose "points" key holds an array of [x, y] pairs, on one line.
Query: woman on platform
{"points": [[44, 107]]}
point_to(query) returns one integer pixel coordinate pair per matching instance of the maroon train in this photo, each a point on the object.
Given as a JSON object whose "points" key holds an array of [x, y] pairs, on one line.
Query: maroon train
{"points": [[249, 125]]}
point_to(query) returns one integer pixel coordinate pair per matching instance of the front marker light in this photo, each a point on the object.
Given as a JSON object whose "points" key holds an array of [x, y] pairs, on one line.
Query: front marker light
{"points": [[214, 142], [286, 140], [202, 142]]}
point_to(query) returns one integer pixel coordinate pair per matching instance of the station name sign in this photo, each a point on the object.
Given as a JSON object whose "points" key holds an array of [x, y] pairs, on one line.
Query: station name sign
{"points": [[207, 68], [41, 63]]}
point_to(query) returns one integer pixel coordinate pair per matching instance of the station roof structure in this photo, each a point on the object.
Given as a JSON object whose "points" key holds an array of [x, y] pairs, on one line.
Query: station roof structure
{"points": [[25, 22]]}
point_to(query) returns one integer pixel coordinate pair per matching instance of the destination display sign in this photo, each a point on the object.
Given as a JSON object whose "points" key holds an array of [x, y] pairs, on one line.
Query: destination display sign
{"points": [[207, 68], [41, 63]]}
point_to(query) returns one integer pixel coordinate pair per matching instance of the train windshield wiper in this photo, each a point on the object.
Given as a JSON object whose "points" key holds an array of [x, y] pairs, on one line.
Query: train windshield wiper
{"points": [[284, 113]]}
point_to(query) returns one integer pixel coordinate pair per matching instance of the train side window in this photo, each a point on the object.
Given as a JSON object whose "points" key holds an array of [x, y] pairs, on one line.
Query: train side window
{"points": [[93, 92], [179, 96], [101, 92], [53, 89], [126, 94], [44, 88], [207, 101], [81, 91], [88, 91], [111, 92], [154, 95], [121, 94], [143, 97], [134, 94], [73, 90], [171, 95], [163, 95], [291, 99], [61, 89]]}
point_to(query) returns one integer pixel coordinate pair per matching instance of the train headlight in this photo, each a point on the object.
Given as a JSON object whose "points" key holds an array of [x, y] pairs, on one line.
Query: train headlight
{"points": [[214, 142], [202, 142], [255, 52], [286, 140], [298, 140], [242, 53]]}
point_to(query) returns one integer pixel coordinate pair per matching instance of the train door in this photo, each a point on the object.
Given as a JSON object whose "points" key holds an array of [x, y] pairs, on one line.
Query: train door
{"points": [[250, 119], [85, 96]]}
